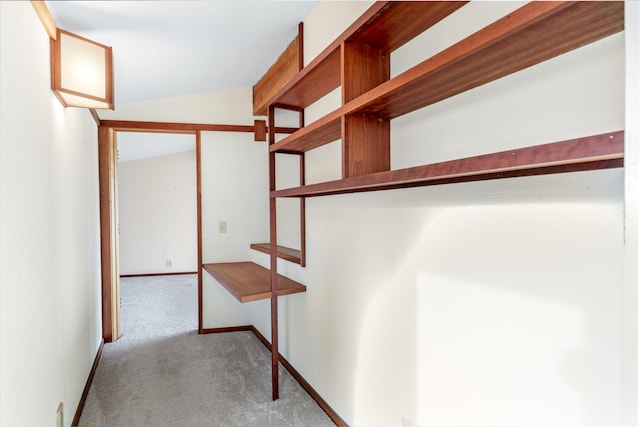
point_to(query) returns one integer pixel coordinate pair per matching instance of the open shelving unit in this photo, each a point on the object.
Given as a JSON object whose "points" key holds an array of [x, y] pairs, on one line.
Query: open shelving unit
{"points": [[358, 61]]}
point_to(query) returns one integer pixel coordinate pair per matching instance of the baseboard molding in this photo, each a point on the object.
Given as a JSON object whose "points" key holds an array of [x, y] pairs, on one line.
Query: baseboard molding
{"points": [[304, 383], [87, 386], [224, 330], [158, 274], [295, 374]]}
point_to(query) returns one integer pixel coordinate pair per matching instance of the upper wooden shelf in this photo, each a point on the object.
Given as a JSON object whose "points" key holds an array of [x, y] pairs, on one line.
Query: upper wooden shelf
{"points": [[386, 25], [283, 252], [250, 282], [532, 34], [588, 153]]}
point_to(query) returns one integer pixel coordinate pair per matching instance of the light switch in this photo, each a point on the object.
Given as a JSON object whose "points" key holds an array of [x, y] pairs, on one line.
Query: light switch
{"points": [[222, 227]]}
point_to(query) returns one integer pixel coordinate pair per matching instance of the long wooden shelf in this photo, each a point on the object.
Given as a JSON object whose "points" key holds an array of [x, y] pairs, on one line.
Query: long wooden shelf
{"points": [[386, 25], [248, 282], [283, 252], [532, 34], [589, 153]]}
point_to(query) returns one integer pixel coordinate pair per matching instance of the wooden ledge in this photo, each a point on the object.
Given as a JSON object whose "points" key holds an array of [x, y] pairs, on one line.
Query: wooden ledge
{"points": [[602, 151], [283, 252], [250, 282]]}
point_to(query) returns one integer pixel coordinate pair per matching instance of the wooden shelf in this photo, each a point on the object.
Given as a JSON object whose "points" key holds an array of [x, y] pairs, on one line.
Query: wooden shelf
{"points": [[532, 34], [589, 153], [386, 25], [283, 252], [250, 282]]}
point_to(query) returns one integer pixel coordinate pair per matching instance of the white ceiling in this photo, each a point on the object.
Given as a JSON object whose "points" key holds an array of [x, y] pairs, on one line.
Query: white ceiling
{"points": [[171, 48], [165, 49]]}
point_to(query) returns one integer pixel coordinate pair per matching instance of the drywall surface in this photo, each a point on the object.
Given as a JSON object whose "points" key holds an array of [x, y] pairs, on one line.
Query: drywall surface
{"points": [[158, 214], [224, 107], [234, 191], [631, 179], [488, 303], [50, 316]]}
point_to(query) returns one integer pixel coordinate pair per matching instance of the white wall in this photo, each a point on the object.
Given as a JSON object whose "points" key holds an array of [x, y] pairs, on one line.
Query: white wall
{"points": [[50, 318], [630, 294], [158, 214], [234, 190], [488, 303]]}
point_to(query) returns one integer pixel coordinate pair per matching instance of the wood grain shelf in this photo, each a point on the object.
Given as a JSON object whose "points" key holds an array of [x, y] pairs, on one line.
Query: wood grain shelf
{"points": [[248, 282], [283, 252], [386, 25], [532, 34], [589, 153]]}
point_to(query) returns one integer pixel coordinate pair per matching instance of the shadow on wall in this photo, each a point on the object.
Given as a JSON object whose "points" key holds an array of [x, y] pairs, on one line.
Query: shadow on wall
{"points": [[504, 314]]}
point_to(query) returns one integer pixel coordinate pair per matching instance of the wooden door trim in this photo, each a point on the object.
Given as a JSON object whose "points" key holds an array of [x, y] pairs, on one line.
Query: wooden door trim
{"points": [[108, 175]]}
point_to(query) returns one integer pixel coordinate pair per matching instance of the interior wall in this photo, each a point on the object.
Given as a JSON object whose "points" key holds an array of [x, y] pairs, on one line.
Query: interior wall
{"points": [[487, 303], [234, 191], [158, 214], [50, 318], [630, 380]]}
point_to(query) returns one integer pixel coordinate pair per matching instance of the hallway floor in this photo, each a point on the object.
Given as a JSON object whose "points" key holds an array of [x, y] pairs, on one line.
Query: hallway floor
{"points": [[162, 373]]}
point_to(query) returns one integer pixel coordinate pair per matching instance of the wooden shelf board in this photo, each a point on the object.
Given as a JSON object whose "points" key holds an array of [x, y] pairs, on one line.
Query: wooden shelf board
{"points": [[532, 34], [283, 252], [386, 25], [398, 22], [588, 153], [318, 133], [248, 282]]}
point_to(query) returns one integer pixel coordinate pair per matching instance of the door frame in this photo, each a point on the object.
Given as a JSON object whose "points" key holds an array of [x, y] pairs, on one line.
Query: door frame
{"points": [[108, 177], [108, 173]]}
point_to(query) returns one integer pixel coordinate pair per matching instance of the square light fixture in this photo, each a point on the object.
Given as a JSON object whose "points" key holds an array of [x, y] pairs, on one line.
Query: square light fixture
{"points": [[81, 71]]}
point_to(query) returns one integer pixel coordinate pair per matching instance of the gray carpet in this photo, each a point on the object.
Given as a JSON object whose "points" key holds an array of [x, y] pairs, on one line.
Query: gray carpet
{"points": [[162, 373]]}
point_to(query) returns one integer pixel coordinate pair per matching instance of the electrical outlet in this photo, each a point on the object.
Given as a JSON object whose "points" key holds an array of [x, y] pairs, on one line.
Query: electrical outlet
{"points": [[168, 263], [222, 227], [60, 415]]}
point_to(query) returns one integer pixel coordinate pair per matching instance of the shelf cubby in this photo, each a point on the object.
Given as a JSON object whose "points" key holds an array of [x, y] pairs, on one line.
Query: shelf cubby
{"points": [[386, 25]]}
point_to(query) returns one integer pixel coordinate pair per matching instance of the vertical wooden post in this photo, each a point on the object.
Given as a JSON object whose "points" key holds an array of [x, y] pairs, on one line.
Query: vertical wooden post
{"points": [[199, 224], [109, 234], [303, 204], [273, 239]]}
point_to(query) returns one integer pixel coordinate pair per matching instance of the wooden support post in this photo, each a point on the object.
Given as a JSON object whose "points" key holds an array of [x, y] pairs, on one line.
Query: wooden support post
{"points": [[273, 239], [260, 130], [303, 204], [199, 223]]}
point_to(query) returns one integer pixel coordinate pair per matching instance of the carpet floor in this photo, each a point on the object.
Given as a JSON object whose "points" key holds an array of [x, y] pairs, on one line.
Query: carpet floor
{"points": [[162, 373]]}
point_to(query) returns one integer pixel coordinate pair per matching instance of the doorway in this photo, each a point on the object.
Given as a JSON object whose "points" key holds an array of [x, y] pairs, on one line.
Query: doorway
{"points": [[157, 209], [162, 212]]}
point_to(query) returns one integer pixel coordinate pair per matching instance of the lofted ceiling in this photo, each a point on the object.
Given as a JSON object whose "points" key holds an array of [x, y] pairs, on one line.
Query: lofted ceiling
{"points": [[165, 49], [172, 48]]}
